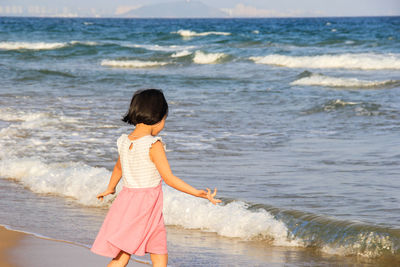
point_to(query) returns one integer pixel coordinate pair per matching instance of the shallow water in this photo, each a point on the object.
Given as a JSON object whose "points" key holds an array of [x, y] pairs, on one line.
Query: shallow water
{"points": [[295, 121]]}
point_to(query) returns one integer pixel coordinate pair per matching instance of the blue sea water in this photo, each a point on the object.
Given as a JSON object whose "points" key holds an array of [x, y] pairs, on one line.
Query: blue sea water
{"points": [[295, 121]]}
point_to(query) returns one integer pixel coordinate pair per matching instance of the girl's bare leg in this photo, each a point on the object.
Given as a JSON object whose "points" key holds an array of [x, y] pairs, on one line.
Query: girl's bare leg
{"points": [[121, 260], [159, 260]]}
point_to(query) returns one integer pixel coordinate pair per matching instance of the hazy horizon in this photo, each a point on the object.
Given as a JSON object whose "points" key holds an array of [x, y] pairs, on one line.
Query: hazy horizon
{"points": [[179, 9]]}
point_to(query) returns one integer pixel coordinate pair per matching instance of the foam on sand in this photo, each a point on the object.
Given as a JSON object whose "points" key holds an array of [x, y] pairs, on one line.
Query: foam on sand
{"points": [[131, 63], [189, 33], [322, 80], [366, 61], [209, 58]]}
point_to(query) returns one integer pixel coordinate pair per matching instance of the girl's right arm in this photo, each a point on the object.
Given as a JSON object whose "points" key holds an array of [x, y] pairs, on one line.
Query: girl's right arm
{"points": [[115, 177], [158, 156]]}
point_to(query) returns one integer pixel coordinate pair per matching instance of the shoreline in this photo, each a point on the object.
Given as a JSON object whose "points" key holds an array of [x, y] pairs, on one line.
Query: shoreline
{"points": [[46, 252]]}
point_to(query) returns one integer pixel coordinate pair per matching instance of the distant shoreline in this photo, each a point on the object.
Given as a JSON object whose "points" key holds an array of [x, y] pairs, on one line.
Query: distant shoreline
{"points": [[198, 18]]}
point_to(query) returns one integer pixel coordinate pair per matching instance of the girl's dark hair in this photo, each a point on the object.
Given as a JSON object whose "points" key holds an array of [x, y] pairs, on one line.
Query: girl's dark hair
{"points": [[147, 106]]}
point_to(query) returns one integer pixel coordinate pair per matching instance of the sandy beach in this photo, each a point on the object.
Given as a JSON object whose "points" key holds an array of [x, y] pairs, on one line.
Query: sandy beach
{"points": [[41, 252]]}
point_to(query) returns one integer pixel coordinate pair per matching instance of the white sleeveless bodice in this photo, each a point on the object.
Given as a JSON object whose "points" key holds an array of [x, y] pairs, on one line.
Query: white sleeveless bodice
{"points": [[138, 171]]}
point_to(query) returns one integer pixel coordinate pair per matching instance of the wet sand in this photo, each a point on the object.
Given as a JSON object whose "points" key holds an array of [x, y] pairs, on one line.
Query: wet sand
{"points": [[18, 249], [8, 240]]}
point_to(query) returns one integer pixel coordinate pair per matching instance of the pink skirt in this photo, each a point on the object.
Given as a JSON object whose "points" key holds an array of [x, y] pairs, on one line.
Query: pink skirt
{"points": [[134, 224]]}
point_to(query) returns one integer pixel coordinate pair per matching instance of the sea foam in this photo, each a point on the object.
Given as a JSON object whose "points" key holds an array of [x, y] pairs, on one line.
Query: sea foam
{"points": [[82, 183], [74, 180], [367, 61], [322, 80], [32, 120], [31, 45], [183, 53], [209, 58], [88, 43], [231, 220], [131, 63], [188, 33], [41, 45], [168, 48]]}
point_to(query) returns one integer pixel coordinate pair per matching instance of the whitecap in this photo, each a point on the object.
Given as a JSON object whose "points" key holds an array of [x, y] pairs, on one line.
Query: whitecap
{"points": [[131, 63], [89, 43], [30, 120], [31, 45], [365, 61], [210, 58], [340, 102], [183, 53], [41, 45], [322, 80], [168, 48], [189, 33]]}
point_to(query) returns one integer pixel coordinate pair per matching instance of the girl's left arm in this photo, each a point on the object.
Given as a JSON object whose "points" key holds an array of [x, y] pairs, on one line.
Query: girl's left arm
{"points": [[114, 180]]}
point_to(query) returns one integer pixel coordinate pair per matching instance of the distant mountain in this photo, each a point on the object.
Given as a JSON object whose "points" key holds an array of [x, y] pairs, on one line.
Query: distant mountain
{"points": [[179, 9]]}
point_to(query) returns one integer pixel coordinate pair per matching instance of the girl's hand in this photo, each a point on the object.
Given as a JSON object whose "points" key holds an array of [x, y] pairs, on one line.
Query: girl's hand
{"points": [[210, 196], [105, 193]]}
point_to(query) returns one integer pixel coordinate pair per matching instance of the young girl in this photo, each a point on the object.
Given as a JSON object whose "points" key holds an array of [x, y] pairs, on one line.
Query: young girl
{"points": [[134, 223]]}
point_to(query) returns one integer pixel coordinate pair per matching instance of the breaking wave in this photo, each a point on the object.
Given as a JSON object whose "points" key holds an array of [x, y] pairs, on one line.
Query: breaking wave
{"points": [[183, 53], [322, 80], [233, 218], [367, 61], [349, 107], [168, 48], [209, 58], [188, 33], [41, 45], [131, 63]]}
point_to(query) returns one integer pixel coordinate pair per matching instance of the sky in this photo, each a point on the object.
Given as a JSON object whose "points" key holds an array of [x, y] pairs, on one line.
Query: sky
{"points": [[233, 8]]}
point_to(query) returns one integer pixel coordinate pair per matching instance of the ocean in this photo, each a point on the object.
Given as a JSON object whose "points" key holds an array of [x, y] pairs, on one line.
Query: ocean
{"points": [[296, 121]]}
